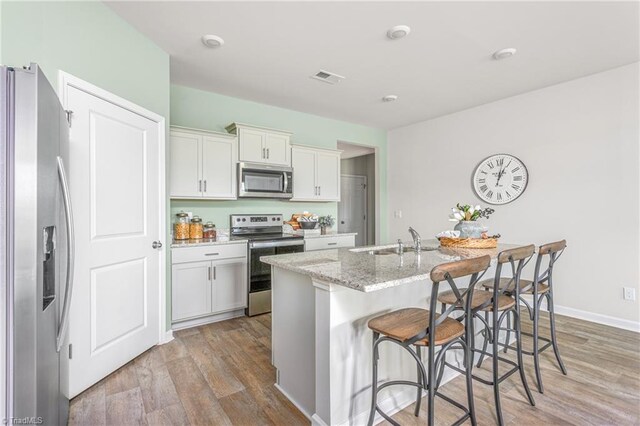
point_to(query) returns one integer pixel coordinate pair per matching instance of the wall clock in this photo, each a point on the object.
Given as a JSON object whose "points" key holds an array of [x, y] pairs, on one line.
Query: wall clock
{"points": [[500, 179]]}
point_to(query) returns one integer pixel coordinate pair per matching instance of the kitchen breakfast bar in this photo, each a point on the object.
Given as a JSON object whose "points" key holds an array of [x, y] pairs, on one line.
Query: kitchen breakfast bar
{"points": [[321, 345]]}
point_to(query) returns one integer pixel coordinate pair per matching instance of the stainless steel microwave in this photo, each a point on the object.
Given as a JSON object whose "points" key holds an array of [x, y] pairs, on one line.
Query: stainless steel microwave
{"points": [[264, 181]]}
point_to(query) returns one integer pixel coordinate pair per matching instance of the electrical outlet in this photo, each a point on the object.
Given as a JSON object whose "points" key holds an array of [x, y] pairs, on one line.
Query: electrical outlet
{"points": [[629, 293], [398, 214]]}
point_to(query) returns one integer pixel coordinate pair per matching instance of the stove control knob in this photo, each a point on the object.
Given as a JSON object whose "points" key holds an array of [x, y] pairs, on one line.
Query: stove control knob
{"points": [[244, 219]]}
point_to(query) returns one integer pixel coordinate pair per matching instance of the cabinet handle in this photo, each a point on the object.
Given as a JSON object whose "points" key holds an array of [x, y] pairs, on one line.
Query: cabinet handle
{"points": [[205, 185], [214, 273], [267, 153], [319, 190], [264, 156], [200, 186], [332, 244], [209, 272], [211, 254]]}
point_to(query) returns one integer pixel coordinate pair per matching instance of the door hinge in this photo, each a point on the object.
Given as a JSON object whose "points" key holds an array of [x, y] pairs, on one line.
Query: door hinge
{"points": [[70, 351], [69, 114], [364, 186]]}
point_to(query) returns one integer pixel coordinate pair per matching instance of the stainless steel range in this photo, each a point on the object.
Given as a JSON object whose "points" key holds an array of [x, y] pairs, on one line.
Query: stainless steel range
{"points": [[265, 236]]}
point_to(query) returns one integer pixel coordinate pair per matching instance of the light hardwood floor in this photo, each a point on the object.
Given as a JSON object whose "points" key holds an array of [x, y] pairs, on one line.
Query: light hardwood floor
{"points": [[221, 374]]}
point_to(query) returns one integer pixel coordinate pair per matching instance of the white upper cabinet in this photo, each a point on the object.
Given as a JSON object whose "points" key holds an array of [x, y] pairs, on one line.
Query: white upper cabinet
{"points": [[262, 145], [316, 174], [203, 164]]}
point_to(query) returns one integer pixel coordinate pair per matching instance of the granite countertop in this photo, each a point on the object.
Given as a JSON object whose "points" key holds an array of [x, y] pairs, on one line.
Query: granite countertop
{"points": [[206, 242], [359, 270]]}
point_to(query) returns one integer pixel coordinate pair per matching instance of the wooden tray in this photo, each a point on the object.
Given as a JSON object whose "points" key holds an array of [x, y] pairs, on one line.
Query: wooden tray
{"points": [[477, 243]]}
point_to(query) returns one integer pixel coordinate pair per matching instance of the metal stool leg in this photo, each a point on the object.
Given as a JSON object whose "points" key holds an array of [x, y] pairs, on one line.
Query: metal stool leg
{"points": [[554, 341], [496, 372], [468, 365], [523, 377], [536, 354], [419, 396], [506, 346], [374, 384], [485, 345], [431, 388]]}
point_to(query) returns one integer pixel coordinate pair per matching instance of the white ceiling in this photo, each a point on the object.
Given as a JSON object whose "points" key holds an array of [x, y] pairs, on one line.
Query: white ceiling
{"points": [[443, 66]]}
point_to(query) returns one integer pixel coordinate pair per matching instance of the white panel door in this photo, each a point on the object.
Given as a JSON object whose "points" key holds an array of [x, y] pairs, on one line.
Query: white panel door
{"points": [[352, 208], [219, 160], [185, 167], [304, 174], [190, 290], [328, 176], [278, 149], [114, 179], [229, 285], [251, 144]]}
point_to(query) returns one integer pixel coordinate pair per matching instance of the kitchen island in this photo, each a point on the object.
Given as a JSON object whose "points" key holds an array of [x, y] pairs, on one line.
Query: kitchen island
{"points": [[321, 345]]}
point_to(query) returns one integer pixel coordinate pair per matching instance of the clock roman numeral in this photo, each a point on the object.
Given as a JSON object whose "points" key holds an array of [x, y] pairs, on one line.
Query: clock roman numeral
{"points": [[490, 164], [483, 180], [514, 186], [517, 178], [499, 196], [508, 195], [483, 172], [500, 161], [515, 170], [484, 188], [490, 194]]}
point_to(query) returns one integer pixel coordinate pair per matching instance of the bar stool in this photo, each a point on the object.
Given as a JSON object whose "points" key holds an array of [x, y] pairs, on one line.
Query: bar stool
{"points": [[415, 327], [539, 289], [500, 303]]}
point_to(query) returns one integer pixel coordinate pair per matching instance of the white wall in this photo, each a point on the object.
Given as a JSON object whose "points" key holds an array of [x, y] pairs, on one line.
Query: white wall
{"points": [[580, 141]]}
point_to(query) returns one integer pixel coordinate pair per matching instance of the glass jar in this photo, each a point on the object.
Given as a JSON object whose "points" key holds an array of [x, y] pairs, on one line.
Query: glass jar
{"points": [[181, 227], [209, 230], [195, 228]]}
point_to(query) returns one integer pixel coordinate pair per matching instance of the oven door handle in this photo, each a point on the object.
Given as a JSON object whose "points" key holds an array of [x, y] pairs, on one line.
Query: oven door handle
{"points": [[270, 244]]}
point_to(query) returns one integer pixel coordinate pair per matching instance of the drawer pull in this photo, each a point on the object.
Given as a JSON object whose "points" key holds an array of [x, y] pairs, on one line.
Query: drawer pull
{"points": [[332, 244], [211, 254]]}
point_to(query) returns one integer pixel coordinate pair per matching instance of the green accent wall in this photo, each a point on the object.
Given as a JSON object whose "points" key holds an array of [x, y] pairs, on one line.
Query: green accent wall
{"points": [[211, 111], [88, 40]]}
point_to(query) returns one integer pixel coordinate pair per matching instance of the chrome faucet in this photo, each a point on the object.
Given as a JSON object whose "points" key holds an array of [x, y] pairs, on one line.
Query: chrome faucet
{"points": [[416, 239]]}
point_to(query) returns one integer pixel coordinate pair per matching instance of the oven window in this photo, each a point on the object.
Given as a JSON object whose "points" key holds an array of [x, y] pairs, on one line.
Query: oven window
{"points": [[257, 181], [289, 249], [260, 272]]}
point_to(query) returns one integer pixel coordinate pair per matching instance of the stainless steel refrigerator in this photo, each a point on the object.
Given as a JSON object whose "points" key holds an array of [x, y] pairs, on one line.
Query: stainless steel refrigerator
{"points": [[36, 249]]}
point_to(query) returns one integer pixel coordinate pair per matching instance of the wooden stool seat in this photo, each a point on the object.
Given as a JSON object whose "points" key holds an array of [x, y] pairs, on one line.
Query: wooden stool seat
{"points": [[404, 324], [479, 298], [528, 284]]}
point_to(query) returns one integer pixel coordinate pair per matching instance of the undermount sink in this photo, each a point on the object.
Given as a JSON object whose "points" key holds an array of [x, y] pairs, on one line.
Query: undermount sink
{"points": [[394, 250]]}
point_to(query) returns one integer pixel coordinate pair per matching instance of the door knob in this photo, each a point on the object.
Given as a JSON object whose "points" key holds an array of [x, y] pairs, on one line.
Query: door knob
{"points": [[156, 245]]}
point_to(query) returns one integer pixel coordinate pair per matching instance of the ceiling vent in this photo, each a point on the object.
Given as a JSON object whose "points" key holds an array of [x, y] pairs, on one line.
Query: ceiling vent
{"points": [[327, 77]]}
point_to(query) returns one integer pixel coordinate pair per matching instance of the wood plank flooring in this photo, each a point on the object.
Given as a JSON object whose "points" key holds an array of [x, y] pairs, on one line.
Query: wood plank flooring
{"points": [[221, 374]]}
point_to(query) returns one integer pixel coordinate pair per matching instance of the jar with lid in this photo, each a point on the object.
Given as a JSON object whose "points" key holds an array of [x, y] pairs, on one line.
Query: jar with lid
{"points": [[209, 230], [195, 228], [181, 227]]}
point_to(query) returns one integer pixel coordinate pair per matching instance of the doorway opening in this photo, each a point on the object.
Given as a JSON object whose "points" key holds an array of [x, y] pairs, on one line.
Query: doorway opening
{"points": [[358, 184]]}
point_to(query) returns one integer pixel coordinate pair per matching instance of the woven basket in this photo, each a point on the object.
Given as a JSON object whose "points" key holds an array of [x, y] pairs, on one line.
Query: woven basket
{"points": [[476, 243]]}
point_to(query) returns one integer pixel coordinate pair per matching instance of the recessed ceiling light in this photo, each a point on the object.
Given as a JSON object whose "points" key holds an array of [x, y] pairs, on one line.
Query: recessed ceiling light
{"points": [[398, 31], [212, 41], [389, 98], [504, 53]]}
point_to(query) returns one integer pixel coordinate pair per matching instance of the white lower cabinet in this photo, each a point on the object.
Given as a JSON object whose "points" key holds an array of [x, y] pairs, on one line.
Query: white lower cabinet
{"points": [[203, 288], [326, 243]]}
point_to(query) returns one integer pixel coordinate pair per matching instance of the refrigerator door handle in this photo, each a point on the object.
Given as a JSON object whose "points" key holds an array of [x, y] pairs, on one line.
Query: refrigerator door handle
{"points": [[64, 321]]}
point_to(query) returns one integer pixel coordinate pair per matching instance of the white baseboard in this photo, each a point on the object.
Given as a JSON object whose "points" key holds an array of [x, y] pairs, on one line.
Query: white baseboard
{"points": [[599, 318], [181, 325], [298, 406], [167, 337]]}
